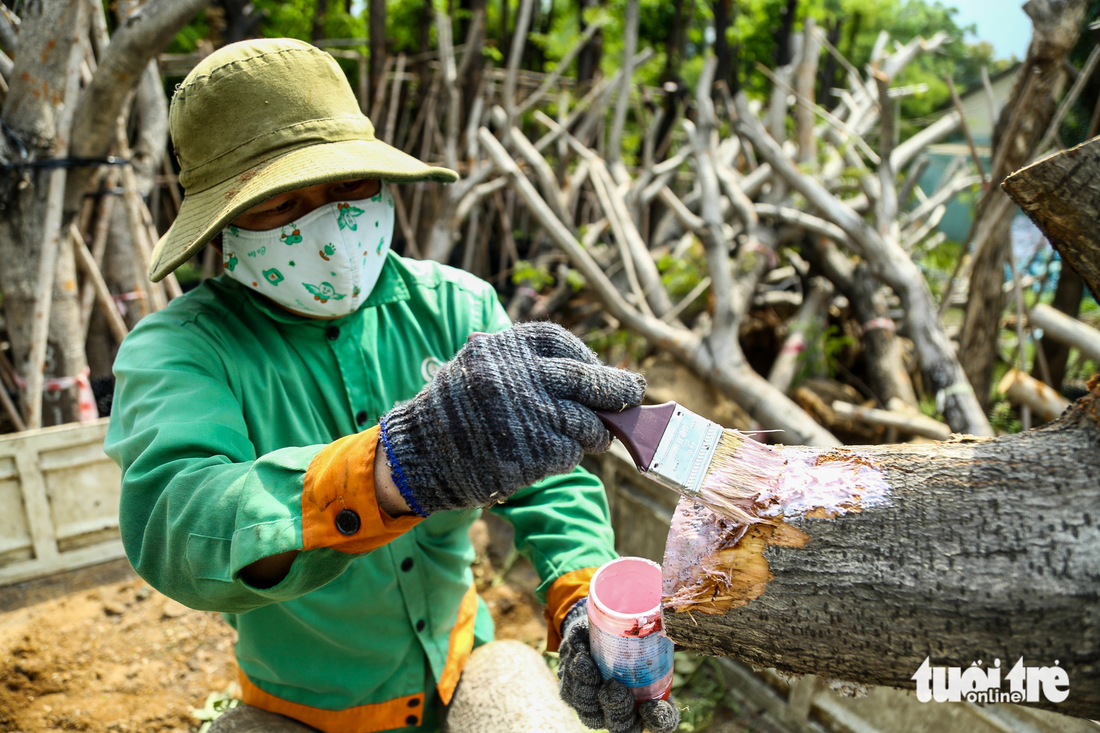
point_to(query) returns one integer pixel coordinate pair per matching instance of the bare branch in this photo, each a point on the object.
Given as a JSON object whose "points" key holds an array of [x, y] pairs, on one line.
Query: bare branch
{"points": [[734, 378], [905, 152], [888, 193], [911, 423], [893, 266], [107, 305], [945, 193], [9, 31], [809, 222], [135, 43], [450, 83], [519, 38], [630, 43], [536, 96]]}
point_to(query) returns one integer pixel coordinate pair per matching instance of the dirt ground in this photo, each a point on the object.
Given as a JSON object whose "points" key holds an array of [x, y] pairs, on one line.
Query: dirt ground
{"points": [[123, 658]]}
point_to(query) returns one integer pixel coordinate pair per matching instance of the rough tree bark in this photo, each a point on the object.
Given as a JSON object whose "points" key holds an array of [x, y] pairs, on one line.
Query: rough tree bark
{"points": [[36, 119], [1061, 194], [48, 33], [983, 549], [1021, 124], [978, 549]]}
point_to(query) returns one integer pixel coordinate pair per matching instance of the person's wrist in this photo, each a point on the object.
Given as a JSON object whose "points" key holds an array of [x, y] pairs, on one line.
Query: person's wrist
{"points": [[580, 608], [386, 491]]}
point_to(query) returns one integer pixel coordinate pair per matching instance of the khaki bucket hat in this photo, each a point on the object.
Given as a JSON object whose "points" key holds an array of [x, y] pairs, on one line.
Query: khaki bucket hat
{"points": [[259, 118]]}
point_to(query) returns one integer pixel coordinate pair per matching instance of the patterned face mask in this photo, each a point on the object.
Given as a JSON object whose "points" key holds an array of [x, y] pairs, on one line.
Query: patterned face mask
{"points": [[324, 264]]}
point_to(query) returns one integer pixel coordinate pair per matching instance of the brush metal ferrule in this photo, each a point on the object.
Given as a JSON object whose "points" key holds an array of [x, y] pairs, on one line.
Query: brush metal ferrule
{"points": [[685, 451]]}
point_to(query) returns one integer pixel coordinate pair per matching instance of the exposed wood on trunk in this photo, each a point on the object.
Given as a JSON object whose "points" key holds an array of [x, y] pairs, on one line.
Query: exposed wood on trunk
{"points": [[864, 590]]}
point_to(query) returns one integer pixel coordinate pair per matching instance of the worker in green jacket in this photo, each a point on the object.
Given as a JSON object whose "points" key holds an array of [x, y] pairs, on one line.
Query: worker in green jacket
{"points": [[306, 439]]}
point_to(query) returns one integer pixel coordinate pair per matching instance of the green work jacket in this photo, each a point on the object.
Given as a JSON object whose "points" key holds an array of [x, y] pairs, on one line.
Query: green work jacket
{"points": [[222, 402]]}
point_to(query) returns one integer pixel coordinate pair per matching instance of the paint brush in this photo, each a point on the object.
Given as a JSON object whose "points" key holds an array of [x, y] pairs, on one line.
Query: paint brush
{"points": [[724, 470]]}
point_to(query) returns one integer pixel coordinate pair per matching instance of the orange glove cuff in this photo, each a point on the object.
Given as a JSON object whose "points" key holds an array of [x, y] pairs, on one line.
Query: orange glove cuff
{"points": [[339, 506], [560, 599]]}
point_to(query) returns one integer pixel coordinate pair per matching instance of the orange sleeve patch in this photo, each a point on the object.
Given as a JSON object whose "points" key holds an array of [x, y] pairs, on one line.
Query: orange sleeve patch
{"points": [[563, 594], [371, 718], [341, 477], [459, 646]]}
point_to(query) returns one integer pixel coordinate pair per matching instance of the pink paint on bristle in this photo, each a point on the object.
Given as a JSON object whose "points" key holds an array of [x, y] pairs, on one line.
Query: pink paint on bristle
{"points": [[751, 482], [741, 470]]}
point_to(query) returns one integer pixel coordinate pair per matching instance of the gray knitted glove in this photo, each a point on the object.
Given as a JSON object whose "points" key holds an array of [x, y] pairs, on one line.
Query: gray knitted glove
{"points": [[603, 703], [511, 408]]}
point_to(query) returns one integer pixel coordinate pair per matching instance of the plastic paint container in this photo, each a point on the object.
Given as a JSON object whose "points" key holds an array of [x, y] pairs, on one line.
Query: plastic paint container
{"points": [[628, 638]]}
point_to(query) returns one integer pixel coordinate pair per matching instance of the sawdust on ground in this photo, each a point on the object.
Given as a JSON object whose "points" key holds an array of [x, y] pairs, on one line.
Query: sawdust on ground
{"points": [[123, 658]]}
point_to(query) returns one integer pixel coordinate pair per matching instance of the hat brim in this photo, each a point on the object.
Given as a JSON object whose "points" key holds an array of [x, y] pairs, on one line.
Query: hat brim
{"points": [[205, 213]]}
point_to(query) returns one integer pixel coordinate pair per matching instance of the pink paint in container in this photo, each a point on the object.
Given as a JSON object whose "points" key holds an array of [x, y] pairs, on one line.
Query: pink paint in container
{"points": [[628, 638]]}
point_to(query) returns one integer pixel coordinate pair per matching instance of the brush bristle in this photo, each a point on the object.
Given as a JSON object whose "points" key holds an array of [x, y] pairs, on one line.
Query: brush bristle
{"points": [[741, 470]]}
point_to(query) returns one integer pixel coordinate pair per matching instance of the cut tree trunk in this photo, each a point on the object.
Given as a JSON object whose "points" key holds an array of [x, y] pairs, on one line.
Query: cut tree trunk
{"points": [[1061, 194], [965, 551], [32, 117], [1022, 123], [959, 552]]}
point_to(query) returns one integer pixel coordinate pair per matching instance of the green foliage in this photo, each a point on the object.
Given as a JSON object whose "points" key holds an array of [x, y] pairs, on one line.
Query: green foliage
{"points": [[680, 275], [187, 40], [1079, 369], [538, 277], [576, 280], [938, 263], [217, 703], [822, 352], [928, 407], [1002, 418], [699, 688], [188, 273], [619, 346]]}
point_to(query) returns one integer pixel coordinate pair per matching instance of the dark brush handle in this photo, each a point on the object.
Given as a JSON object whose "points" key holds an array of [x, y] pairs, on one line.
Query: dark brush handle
{"points": [[639, 428]]}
